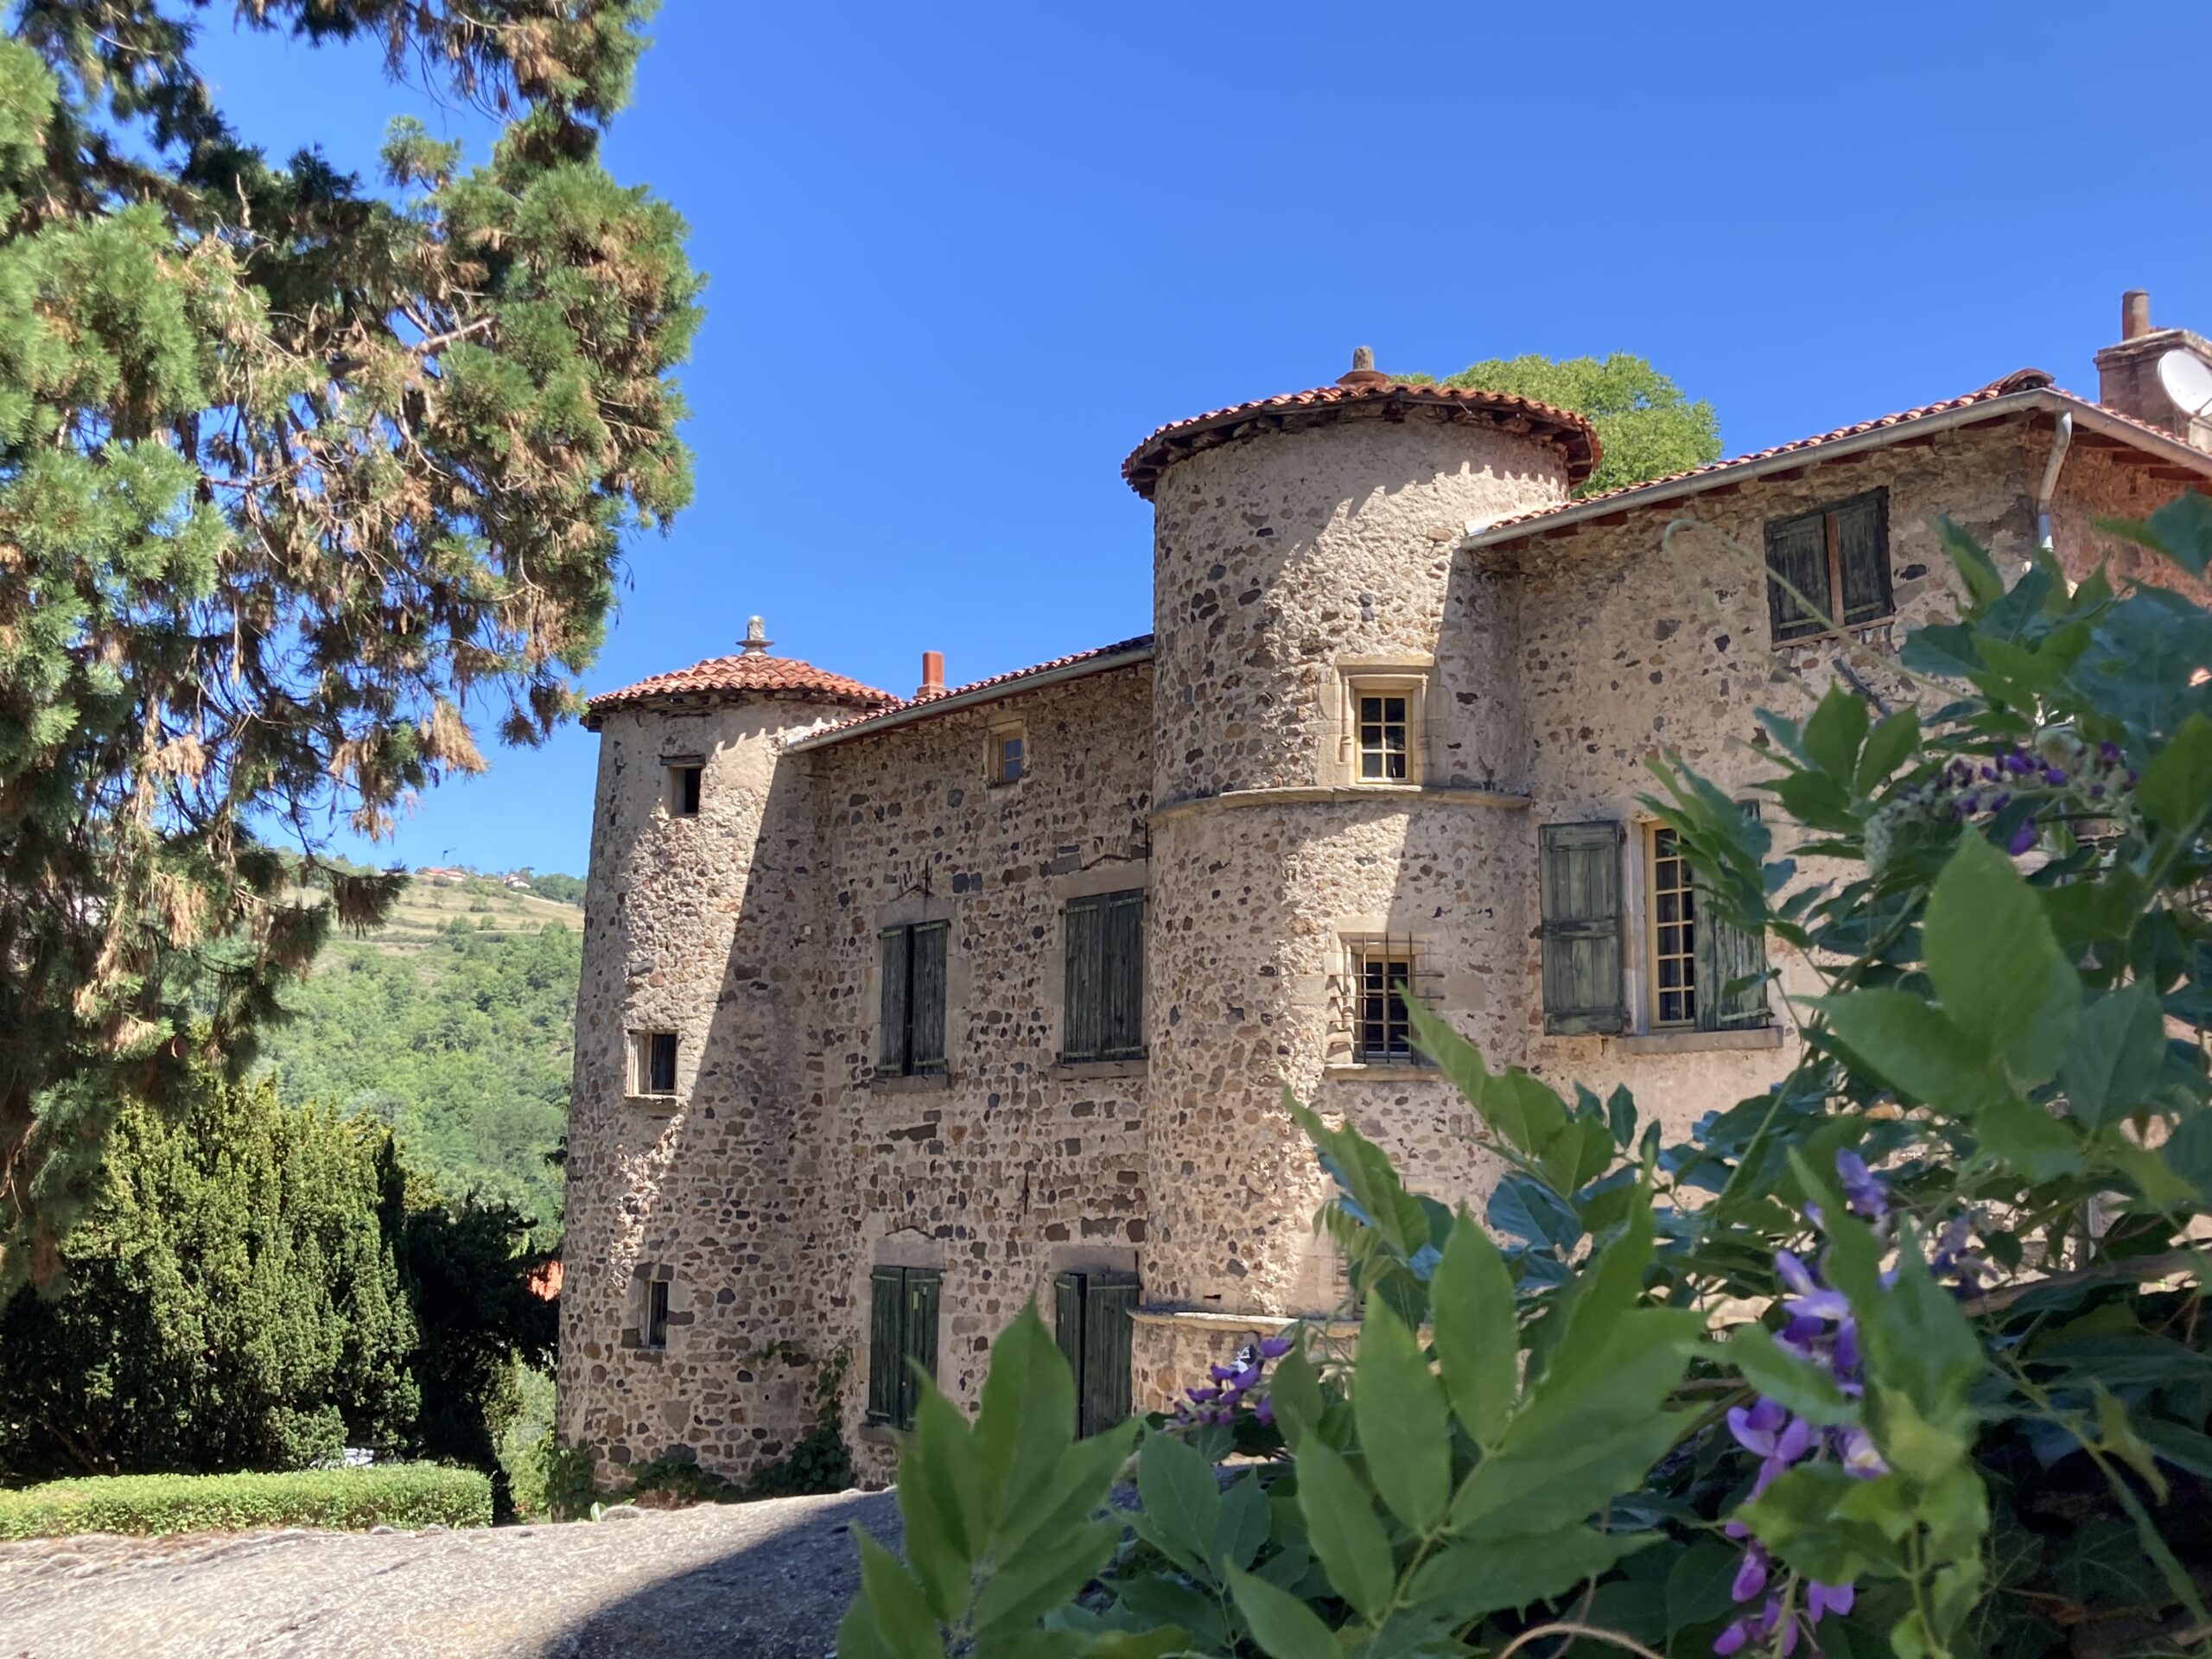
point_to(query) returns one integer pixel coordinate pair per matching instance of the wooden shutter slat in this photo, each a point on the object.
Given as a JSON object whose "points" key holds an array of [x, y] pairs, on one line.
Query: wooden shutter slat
{"points": [[886, 1357], [920, 1340], [1580, 896], [1067, 1331], [891, 1054], [1863, 539], [1796, 550], [1122, 973], [925, 999], [1107, 1329], [1083, 1017]]}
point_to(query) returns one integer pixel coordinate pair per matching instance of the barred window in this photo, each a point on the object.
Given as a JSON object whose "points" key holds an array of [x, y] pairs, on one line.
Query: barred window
{"points": [[1383, 1033]]}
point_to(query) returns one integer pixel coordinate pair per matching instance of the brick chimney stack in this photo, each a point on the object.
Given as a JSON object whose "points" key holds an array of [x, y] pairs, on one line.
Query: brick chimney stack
{"points": [[2127, 373], [932, 683]]}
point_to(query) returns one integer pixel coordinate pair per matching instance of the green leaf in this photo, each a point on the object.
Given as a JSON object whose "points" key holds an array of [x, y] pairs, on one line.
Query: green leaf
{"points": [[1799, 1518], [2100, 1565], [1805, 1388], [1295, 1388], [2176, 787], [1180, 1497], [895, 1605], [2027, 1139], [1699, 1583], [933, 1509], [1996, 964], [2118, 1436], [1521, 1111], [1242, 1526], [1910, 1046], [1605, 1290], [1284, 1626], [1057, 1562], [1833, 734], [1399, 1407], [1983, 582], [1467, 1581], [1887, 748], [1478, 1335], [2115, 1056], [2184, 527], [1026, 1420], [1341, 1524]]}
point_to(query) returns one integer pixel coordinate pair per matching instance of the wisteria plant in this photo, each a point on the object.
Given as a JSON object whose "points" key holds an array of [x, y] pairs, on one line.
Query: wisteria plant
{"points": [[1902, 1355]]}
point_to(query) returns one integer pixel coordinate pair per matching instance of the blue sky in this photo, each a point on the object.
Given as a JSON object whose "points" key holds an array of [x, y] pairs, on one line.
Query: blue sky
{"points": [[962, 258]]}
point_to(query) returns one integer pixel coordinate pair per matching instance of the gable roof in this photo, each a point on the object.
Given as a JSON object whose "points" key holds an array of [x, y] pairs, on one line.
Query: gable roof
{"points": [[1364, 392], [2023, 391], [1123, 653], [753, 673]]}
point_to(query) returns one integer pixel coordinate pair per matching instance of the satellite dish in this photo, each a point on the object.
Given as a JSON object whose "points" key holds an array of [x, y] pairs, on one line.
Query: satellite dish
{"points": [[2186, 378]]}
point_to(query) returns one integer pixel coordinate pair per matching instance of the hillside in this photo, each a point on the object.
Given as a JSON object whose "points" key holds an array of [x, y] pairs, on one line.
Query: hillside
{"points": [[454, 1023]]}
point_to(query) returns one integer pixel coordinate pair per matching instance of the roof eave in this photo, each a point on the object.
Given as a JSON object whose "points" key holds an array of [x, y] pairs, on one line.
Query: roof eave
{"points": [[972, 698], [2036, 399]]}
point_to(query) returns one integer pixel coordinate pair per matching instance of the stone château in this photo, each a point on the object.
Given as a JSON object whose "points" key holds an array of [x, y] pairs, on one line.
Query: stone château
{"points": [[896, 1012]]}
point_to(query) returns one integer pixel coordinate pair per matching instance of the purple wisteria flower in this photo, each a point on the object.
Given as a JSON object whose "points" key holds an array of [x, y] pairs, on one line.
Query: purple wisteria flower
{"points": [[1232, 1385], [1822, 1330]]}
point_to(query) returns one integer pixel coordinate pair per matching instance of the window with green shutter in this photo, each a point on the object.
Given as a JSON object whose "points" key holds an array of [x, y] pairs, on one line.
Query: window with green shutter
{"points": [[901, 1341], [1731, 970], [913, 999], [1103, 1011], [1833, 564], [1091, 1319], [1580, 899], [1705, 973]]}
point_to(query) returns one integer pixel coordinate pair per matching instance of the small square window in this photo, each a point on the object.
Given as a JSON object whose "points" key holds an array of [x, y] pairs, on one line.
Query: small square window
{"points": [[1381, 738], [1381, 1031], [683, 785], [1009, 755], [656, 1331], [653, 1062], [1383, 728]]}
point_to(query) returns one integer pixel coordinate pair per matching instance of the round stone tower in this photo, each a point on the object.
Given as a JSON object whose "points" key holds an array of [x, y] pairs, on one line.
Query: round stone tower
{"points": [[1304, 576], [692, 1171]]}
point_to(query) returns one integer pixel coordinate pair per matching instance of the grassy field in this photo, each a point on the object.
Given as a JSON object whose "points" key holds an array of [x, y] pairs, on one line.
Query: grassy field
{"points": [[428, 908]]}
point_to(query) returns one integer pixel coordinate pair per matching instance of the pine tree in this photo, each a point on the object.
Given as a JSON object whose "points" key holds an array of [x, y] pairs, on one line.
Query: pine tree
{"points": [[302, 483]]}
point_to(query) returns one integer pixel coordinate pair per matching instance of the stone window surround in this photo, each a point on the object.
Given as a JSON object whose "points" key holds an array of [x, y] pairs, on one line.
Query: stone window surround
{"points": [[680, 1312], [1353, 936], [1408, 677], [1009, 726], [959, 980], [1108, 875], [1643, 1037], [635, 1061], [672, 756]]}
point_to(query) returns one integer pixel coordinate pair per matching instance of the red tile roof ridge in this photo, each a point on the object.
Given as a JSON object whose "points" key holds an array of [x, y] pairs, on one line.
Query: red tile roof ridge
{"points": [[2018, 380], [1007, 681], [745, 672], [1573, 432]]}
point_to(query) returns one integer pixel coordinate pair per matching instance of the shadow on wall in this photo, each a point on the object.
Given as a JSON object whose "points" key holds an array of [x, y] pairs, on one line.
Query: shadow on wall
{"points": [[778, 1594]]}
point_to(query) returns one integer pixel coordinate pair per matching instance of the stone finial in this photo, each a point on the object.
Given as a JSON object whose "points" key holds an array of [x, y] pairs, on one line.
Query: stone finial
{"points": [[756, 638], [1363, 372]]}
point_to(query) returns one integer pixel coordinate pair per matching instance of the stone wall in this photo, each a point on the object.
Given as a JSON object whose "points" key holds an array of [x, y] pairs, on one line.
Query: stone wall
{"points": [[1012, 1166]]}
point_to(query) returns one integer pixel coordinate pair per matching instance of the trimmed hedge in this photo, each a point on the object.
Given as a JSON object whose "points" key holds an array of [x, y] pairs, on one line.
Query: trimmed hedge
{"points": [[396, 1495]]}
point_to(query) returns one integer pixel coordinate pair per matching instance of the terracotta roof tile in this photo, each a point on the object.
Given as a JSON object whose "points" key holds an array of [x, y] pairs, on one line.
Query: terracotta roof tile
{"points": [[2019, 380], [751, 672], [1006, 685], [1563, 427]]}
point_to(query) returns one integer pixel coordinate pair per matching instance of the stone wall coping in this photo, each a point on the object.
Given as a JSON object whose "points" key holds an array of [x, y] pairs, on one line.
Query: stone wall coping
{"points": [[1330, 794], [1700, 1042], [1199, 1319]]}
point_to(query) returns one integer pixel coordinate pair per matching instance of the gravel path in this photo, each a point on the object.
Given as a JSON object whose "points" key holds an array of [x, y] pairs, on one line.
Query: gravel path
{"points": [[767, 1581]]}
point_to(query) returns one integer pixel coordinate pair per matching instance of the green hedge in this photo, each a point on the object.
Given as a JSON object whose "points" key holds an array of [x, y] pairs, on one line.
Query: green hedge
{"points": [[399, 1495]]}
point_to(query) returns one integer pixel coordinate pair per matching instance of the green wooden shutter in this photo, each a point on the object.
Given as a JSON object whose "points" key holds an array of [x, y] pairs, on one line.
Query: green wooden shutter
{"points": [[1067, 1329], [925, 999], [1108, 1300], [1863, 550], [1580, 886], [1730, 968], [886, 1359], [1797, 551], [1120, 976], [920, 1340], [1083, 1028], [891, 1055]]}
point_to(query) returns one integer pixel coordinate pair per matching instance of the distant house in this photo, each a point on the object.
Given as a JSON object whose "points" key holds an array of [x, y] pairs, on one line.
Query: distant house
{"points": [[899, 1012], [440, 872]]}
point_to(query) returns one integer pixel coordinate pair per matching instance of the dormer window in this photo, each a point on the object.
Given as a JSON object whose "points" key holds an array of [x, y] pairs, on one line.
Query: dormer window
{"points": [[1829, 569], [1009, 754]]}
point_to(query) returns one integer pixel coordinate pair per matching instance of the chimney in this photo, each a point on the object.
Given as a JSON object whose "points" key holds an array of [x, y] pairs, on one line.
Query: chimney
{"points": [[756, 641], [932, 683], [2129, 380], [1364, 371]]}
